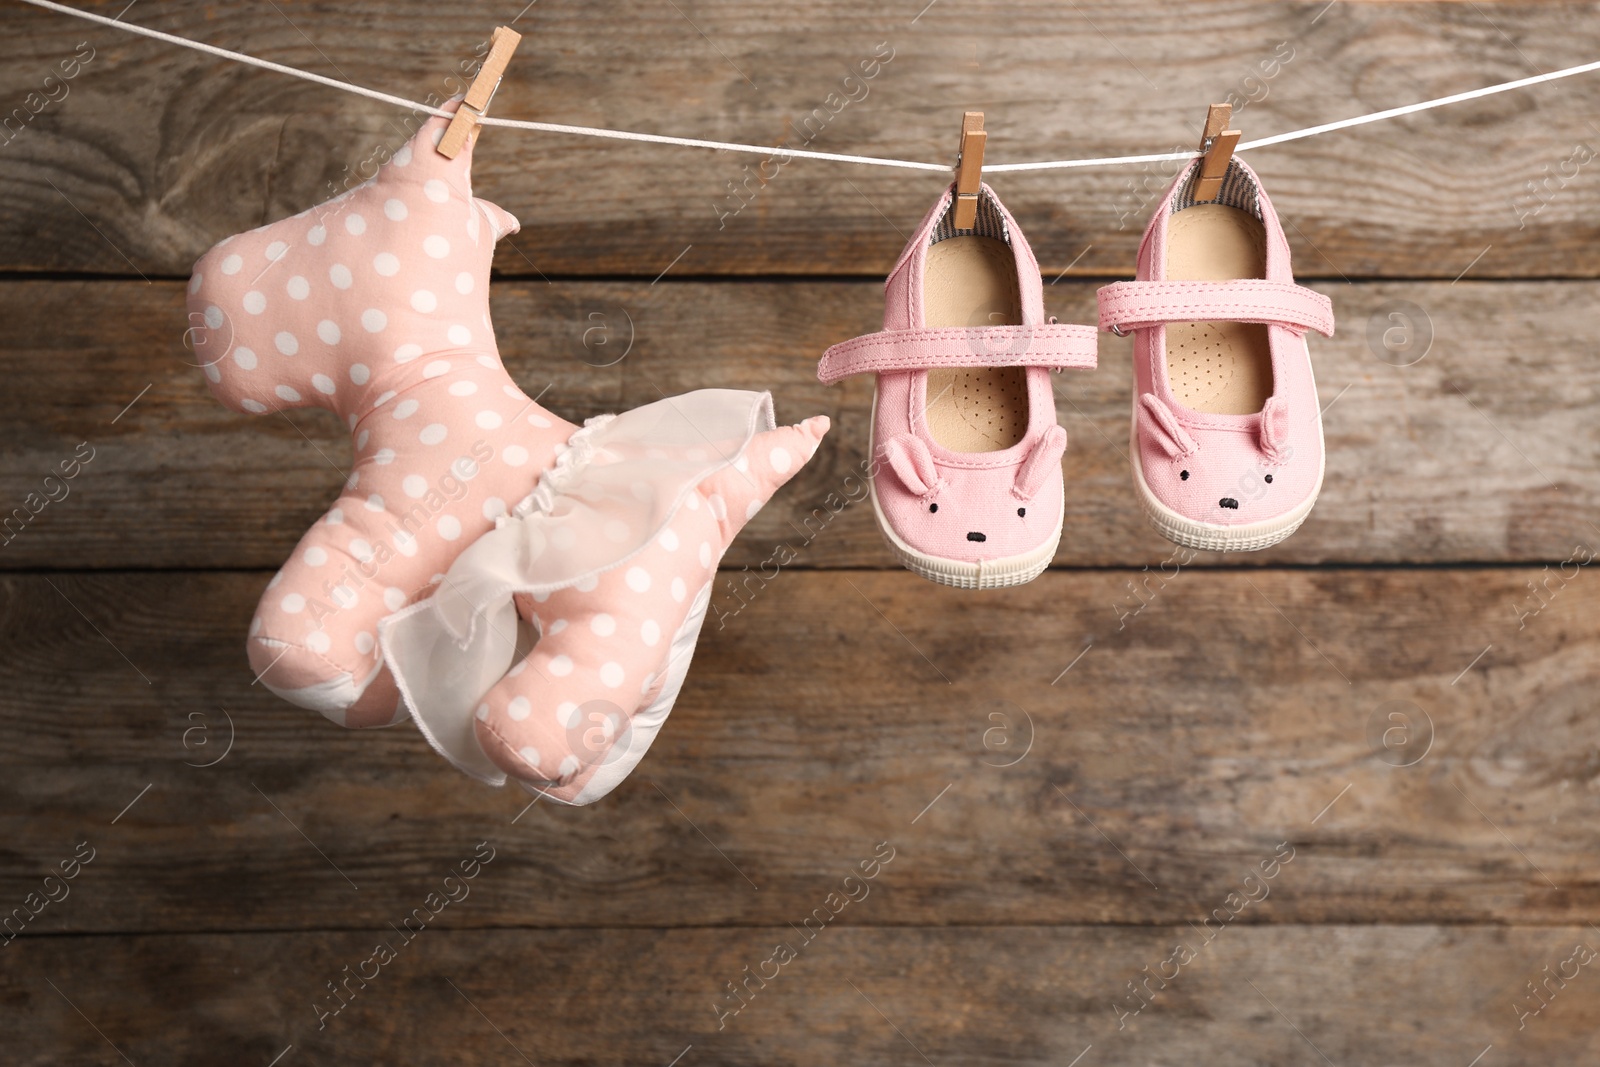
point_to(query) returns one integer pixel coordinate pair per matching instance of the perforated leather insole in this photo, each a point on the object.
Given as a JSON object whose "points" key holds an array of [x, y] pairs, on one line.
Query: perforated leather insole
{"points": [[972, 281], [1224, 368]]}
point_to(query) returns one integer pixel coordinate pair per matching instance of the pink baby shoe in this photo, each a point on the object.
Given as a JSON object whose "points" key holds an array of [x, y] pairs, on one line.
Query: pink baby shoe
{"points": [[1227, 431], [966, 478]]}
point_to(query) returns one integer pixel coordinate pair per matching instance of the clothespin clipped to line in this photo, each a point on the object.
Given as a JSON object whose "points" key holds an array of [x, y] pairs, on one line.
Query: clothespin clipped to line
{"points": [[501, 45], [1216, 151], [969, 169]]}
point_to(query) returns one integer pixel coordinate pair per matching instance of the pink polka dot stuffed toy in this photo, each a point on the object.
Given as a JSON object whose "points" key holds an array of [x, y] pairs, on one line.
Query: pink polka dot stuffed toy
{"points": [[529, 592]]}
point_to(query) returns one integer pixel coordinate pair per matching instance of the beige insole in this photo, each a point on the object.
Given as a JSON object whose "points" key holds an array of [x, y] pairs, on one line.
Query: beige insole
{"points": [[972, 281], [1224, 368]]}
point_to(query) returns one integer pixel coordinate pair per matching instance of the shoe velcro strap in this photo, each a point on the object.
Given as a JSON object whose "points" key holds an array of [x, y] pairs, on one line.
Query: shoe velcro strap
{"points": [[1057, 345], [1138, 305]]}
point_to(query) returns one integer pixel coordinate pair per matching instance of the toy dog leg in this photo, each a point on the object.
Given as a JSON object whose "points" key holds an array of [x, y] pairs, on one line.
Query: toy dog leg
{"points": [[668, 486], [575, 716]]}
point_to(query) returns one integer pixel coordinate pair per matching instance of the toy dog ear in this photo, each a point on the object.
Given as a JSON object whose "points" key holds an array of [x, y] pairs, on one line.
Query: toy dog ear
{"points": [[503, 222], [912, 463], [1045, 455], [1169, 432]]}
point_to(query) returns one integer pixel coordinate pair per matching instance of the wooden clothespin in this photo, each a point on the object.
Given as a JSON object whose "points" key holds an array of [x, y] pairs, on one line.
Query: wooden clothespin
{"points": [[969, 169], [501, 45], [1216, 150]]}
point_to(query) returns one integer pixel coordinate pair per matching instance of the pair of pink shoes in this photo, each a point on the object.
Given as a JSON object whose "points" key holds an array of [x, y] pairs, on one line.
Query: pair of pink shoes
{"points": [[1226, 439]]}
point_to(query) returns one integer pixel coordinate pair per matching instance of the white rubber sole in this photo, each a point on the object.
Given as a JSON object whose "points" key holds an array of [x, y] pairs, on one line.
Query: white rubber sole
{"points": [[1214, 537]]}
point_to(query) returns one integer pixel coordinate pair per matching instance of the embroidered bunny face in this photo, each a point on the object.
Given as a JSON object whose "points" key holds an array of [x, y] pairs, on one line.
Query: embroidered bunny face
{"points": [[1236, 469], [990, 519], [976, 513]]}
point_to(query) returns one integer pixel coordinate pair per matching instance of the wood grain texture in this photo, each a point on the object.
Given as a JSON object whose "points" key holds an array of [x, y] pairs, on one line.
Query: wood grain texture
{"points": [[1357, 715], [1484, 450], [1356, 775], [155, 153], [1367, 995]]}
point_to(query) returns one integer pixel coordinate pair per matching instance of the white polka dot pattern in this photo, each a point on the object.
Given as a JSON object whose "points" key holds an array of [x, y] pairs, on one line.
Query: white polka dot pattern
{"points": [[327, 308], [605, 644], [377, 309]]}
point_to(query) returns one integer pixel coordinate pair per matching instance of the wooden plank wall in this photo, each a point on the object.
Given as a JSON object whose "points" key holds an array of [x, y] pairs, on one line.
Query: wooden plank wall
{"points": [[1373, 749]]}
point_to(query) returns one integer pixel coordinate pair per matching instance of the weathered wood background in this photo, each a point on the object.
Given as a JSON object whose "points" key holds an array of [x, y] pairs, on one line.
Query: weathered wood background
{"points": [[1072, 776]]}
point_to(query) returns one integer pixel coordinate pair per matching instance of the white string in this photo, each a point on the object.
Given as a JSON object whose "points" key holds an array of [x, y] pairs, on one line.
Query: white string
{"points": [[1312, 131], [237, 57], [800, 153], [728, 146], [547, 127]]}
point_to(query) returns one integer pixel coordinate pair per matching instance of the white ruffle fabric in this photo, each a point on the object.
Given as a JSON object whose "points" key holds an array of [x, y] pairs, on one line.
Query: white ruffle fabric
{"points": [[614, 488]]}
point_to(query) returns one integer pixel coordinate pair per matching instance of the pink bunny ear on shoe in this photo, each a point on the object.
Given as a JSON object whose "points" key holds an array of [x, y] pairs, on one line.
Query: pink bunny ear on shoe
{"points": [[1045, 458], [1168, 431], [613, 554], [1275, 429], [912, 463]]}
